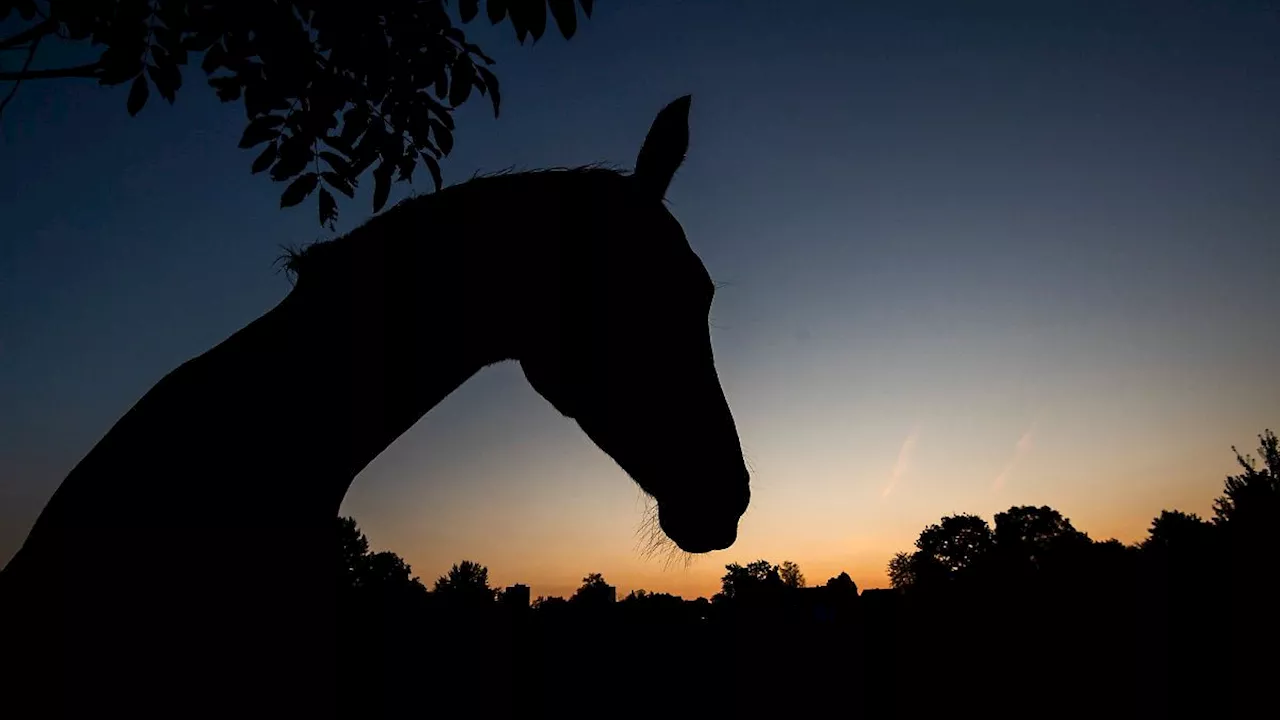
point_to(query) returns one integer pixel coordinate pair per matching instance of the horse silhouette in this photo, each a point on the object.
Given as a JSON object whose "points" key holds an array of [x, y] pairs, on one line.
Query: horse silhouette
{"points": [[185, 565]]}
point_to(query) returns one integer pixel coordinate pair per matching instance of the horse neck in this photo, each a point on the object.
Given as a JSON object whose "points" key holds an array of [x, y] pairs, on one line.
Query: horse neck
{"points": [[272, 425], [202, 523]]}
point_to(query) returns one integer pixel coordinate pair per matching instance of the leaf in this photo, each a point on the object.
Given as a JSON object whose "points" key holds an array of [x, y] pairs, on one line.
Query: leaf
{"points": [[167, 77], [201, 40], [116, 66], [442, 83], [228, 88], [337, 144], [464, 72], [137, 95], [392, 145], [442, 112], [586, 8], [537, 19], [467, 10], [566, 16], [339, 183], [158, 54], [214, 58], [425, 145], [354, 123], [406, 164], [497, 10], [264, 160], [295, 155], [363, 155], [337, 162], [171, 41], [261, 130], [77, 28], [444, 138], [367, 149], [475, 50], [299, 189], [491, 81], [528, 17], [328, 208], [261, 98], [434, 168], [382, 184]]}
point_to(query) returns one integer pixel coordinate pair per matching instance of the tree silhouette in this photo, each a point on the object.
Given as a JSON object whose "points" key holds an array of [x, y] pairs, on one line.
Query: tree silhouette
{"points": [[330, 87], [741, 581], [387, 569], [644, 597], [791, 575], [902, 570], [955, 544], [594, 591], [1030, 600], [1253, 496], [466, 583], [1027, 536], [353, 546], [548, 603], [843, 583], [358, 568], [1174, 531]]}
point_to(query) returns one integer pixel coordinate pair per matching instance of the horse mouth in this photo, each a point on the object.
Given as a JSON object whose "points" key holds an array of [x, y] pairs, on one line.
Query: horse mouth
{"points": [[695, 532]]}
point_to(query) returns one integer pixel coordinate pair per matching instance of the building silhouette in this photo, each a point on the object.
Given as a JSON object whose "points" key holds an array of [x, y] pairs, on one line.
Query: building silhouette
{"points": [[516, 596]]}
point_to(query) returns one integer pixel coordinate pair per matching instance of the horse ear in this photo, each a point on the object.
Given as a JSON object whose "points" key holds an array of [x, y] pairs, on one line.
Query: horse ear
{"points": [[664, 148]]}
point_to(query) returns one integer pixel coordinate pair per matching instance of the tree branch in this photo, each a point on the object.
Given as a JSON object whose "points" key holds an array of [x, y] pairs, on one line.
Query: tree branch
{"points": [[35, 32], [31, 55], [84, 71]]}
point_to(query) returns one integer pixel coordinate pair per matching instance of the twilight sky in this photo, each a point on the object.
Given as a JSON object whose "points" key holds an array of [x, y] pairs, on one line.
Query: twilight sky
{"points": [[1023, 253]]}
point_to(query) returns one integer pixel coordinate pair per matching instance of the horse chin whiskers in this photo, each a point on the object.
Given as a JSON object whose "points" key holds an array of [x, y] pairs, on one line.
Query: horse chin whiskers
{"points": [[652, 542]]}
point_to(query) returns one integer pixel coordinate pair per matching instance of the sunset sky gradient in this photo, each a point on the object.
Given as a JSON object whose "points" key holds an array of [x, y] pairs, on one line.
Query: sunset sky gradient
{"points": [[1019, 253]]}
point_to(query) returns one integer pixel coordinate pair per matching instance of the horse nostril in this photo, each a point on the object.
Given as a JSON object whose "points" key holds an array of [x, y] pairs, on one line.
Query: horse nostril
{"points": [[697, 532]]}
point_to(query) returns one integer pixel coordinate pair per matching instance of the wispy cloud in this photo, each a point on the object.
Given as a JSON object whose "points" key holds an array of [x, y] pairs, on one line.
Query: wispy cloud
{"points": [[903, 464], [1020, 449]]}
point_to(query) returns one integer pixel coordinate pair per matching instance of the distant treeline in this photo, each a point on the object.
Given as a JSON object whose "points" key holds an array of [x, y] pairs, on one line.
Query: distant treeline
{"points": [[1031, 618]]}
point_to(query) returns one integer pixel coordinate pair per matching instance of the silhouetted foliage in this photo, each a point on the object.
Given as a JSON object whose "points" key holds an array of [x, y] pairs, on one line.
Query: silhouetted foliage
{"points": [[1033, 532], [843, 583], [943, 551], [466, 583], [957, 543], [594, 591], [352, 548], [1033, 609], [1253, 496], [544, 602], [902, 573], [330, 88], [360, 568], [791, 575], [1174, 531], [752, 579]]}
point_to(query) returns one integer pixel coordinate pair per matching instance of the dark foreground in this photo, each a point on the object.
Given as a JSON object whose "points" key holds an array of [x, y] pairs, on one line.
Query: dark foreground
{"points": [[1126, 646]]}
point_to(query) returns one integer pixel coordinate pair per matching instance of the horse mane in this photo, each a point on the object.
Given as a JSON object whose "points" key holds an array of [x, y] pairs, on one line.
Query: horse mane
{"points": [[296, 260]]}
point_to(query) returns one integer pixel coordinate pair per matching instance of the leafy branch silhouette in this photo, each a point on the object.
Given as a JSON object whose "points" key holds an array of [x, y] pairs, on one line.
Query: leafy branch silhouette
{"points": [[330, 88]]}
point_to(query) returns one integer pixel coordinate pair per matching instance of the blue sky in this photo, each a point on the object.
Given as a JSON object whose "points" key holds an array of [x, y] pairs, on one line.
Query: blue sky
{"points": [[969, 258]]}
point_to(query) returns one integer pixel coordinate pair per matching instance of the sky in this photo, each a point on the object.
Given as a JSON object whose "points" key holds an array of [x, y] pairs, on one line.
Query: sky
{"points": [[969, 258]]}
